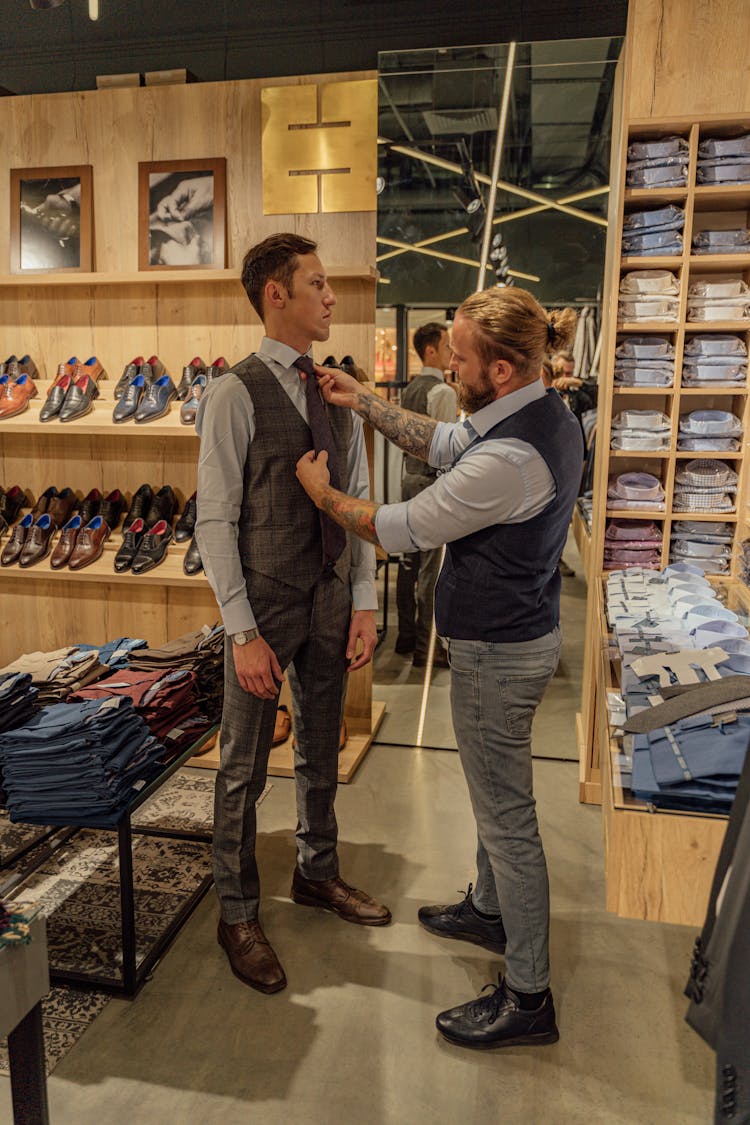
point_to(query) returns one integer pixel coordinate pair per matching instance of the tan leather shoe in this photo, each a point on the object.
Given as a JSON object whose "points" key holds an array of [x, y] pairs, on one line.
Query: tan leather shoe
{"points": [[282, 726], [251, 957], [16, 395], [336, 895]]}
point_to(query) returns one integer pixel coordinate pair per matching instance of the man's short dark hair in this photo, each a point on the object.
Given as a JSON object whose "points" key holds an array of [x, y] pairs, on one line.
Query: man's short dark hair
{"points": [[428, 335], [273, 259]]}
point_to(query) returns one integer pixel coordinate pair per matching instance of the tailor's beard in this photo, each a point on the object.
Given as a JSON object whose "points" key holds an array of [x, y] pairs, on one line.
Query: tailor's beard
{"points": [[473, 400]]}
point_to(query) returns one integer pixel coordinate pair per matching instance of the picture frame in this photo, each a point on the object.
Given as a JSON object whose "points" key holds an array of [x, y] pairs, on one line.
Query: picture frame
{"points": [[51, 219], [182, 214]]}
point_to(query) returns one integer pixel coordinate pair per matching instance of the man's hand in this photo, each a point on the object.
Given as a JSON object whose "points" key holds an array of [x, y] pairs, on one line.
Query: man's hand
{"points": [[313, 475], [362, 628], [188, 199], [337, 387], [257, 668], [567, 383]]}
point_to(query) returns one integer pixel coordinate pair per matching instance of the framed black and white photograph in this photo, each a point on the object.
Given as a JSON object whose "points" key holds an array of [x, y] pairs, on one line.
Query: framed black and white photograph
{"points": [[51, 219], [181, 214]]}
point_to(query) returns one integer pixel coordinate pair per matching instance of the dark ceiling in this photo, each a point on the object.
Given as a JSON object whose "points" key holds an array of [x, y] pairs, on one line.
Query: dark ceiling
{"points": [[62, 49]]}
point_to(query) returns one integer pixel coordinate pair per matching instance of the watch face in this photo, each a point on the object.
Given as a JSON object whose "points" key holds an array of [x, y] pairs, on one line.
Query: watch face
{"points": [[240, 638]]}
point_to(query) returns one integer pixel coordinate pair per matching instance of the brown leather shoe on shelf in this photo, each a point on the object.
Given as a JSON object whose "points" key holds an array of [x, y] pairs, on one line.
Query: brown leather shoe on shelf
{"points": [[251, 957], [16, 395], [92, 367], [336, 895]]}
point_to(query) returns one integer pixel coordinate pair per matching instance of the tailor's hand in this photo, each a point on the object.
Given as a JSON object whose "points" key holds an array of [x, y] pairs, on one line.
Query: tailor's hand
{"points": [[313, 475], [258, 670], [567, 383], [60, 214], [337, 387], [187, 199], [362, 628]]}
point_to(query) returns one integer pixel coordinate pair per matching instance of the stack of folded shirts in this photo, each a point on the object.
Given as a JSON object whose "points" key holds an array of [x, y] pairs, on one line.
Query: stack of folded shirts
{"points": [[59, 672], [629, 543], [646, 361], [722, 297], [658, 163], [714, 360], [115, 653], [709, 430], [18, 699], [721, 241], [201, 652], [724, 160], [640, 430], [641, 491], [745, 561], [167, 700], [78, 763], [653, 232], [691, 764], [707, 543], [704, 486], [585, 506], [649, 295]]}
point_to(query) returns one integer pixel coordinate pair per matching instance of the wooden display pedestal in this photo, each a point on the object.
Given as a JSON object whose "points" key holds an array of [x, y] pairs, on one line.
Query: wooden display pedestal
{"points": [[281, 762]]}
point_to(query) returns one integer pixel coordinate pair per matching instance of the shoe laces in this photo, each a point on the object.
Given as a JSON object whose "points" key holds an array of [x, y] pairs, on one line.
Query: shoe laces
{"points": [[458, 908], [488, 1006]]}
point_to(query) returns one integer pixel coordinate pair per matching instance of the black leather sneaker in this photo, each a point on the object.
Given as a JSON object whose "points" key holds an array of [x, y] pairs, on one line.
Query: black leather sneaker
{"points": [[461, 921], [496, 1019]]}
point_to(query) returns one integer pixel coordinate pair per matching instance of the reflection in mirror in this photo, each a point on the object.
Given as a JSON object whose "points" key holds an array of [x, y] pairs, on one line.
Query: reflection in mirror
{"points": [[441, 121]]}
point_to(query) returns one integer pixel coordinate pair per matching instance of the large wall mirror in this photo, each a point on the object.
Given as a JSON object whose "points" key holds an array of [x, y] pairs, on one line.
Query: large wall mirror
{"points": [[541, 115]]}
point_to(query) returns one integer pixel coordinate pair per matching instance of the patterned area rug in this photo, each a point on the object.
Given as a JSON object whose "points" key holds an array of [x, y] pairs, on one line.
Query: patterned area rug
{"points": [[78, 888]]}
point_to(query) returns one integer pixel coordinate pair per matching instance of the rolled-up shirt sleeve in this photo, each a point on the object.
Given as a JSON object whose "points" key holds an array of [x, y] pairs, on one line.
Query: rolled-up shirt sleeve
{"points": [[225, 424], [362, 573]]}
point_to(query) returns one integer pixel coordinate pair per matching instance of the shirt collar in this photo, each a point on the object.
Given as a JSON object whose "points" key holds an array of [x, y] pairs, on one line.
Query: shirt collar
{"points": [[281, 353], [433, 371], [483, 420]]}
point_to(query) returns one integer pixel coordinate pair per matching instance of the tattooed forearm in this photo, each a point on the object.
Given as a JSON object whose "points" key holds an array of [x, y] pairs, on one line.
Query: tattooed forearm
{"points": [[410, 432], [353, 514]]}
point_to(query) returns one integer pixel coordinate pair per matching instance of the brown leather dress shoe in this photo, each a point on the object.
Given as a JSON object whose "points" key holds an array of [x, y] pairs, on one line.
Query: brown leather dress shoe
{"points": [[89, 543], [16, 395], [336, 895], [251, 957]]}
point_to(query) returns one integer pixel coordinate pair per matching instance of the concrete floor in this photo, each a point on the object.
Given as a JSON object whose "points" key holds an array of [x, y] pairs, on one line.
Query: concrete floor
{"points": [[352, 1038]]}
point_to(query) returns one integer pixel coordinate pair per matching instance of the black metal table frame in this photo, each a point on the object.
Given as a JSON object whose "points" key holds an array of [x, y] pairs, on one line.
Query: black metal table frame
{"points": [[133, 975]]}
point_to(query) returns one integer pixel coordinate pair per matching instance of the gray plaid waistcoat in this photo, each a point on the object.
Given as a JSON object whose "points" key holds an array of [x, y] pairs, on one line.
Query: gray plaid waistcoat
{"points": [[279, 526]]}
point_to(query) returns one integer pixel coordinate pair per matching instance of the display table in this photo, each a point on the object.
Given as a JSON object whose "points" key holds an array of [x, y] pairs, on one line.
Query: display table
{"points": [[132, 975], [24, 982]]}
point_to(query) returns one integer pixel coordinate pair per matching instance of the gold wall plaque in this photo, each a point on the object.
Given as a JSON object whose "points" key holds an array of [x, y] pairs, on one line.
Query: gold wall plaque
{"points": [[319, 147]]}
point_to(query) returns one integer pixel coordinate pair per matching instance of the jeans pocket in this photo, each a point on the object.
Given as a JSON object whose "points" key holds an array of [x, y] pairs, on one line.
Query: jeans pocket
{"points": [[520, 696]]}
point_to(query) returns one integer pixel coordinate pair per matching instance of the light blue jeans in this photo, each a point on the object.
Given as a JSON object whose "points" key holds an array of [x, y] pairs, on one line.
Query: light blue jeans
{"points": [[495, 691]]}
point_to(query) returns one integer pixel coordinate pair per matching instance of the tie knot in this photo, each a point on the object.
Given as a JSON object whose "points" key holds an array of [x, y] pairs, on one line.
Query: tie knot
{"points": [[304, 363]]}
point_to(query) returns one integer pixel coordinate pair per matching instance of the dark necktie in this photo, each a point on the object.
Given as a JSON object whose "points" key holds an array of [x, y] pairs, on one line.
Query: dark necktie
{"points": [[333, 535]]}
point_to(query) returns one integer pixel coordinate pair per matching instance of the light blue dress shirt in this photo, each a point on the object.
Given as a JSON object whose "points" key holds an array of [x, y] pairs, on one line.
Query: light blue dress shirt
{"points": [[502, 480], [225, 423]]}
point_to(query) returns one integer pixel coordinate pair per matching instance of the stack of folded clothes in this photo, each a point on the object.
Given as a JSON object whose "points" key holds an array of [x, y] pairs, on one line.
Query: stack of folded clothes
{"points": [[648, 233], [704, 542], [646, 361], [649, 295], [745, 561], [724, 160], [640, 430], [721, 297], [115, 653], [18, 699], [78, 763], [166, 698], [704, 486], [686, 699], [55, 674], [714, 361], [709, 431], [629, 543], [658, 163], [721, 241], [641, 491], [201, 652]]}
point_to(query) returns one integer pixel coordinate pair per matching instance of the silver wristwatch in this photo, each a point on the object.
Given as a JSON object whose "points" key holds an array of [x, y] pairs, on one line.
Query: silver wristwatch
{"points": [[246, 637]]}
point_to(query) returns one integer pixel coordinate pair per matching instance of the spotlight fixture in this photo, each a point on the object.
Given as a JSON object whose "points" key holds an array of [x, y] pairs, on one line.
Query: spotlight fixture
{"points": [[470, 198], [499, 260]]}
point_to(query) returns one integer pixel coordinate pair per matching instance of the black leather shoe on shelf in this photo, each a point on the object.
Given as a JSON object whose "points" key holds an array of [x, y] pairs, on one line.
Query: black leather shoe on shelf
{"points": [[140, 504], [461, 921], [12, 549], [496, 1019], [192, 563], [156, 401], [185, 525], [129, 401], [152, 548], [79, 401], [56, 395], [215, 369], [129, 373], [131, 541], [90, 506], [163, 506], [329, 361], [190, 372], [111, 508]]}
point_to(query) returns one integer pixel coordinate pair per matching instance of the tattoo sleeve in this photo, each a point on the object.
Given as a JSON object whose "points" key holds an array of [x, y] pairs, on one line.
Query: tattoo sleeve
{"points": [[410, 432], [353, 514]]}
